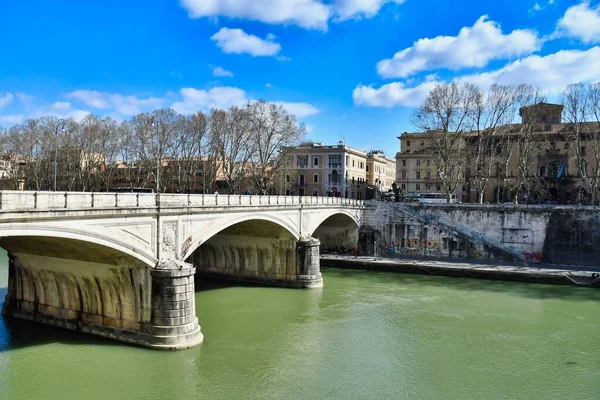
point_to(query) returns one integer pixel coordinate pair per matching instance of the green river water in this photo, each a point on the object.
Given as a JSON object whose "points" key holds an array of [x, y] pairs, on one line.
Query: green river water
{"points": [[366, 335]]}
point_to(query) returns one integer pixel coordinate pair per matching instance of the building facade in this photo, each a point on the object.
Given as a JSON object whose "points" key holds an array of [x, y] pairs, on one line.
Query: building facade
{"points": [[416, 171], [539, 160], [314, 169], [381, 170]]}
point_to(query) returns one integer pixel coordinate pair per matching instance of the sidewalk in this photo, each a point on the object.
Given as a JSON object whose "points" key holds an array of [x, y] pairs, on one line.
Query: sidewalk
{"points": [[537, 273]]}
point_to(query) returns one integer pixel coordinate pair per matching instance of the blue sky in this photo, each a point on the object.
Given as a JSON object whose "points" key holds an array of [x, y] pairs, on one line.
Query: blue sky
{"points": [[350, 69]]}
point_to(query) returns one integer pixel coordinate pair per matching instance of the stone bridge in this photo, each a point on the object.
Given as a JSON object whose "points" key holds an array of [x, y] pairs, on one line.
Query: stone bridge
{"points": [[122, 265]]}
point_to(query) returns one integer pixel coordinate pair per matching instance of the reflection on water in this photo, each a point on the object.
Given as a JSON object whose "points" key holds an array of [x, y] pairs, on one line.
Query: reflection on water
{"points": [[365, 335]]}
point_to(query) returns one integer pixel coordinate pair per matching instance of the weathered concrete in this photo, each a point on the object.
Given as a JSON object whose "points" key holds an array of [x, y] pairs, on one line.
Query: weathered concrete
{"points": [[113, 264], [550, 234], [494, 271], [403, 231], [81, 287]]}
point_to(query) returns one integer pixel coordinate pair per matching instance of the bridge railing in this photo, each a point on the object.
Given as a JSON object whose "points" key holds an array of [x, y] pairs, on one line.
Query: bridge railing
{"points": [[31, 200]]}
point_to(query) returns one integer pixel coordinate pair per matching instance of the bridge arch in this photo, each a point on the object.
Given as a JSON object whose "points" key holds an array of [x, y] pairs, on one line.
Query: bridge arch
{"points": [[338, 230], [113, 240], [201, 236]]}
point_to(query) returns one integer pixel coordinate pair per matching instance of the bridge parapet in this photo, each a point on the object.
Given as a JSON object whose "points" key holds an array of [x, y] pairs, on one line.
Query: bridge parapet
{"points": [[32, 200]]}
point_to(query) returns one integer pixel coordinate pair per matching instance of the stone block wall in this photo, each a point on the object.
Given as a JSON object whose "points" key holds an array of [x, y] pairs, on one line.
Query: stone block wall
{"points": [[551, 234]]}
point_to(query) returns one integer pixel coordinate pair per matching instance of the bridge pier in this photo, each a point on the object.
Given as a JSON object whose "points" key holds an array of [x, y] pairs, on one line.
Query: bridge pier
{"points": [[129, 302], [272, 261]]}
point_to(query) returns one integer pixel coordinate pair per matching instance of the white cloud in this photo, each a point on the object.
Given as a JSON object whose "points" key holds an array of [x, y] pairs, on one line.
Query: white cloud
{"points": [[6, 99], [473, 47], [9, 120], [62, 105], [309, 14], [218, 71], [352, 9], [391, 95], [218, 97], [300, 110], [60, 109], [551, 73], [268, 85], [236, 41], [581, 22], [125, 105], [536, 7]]}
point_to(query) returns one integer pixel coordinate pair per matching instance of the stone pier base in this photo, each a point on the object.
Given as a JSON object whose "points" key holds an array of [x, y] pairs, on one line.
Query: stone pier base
{"points": [[308, 261], [136, 304], [269, 261], [174, 321]]}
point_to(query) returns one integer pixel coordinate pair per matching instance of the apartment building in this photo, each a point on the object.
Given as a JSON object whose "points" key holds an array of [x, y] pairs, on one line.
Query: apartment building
{"points": [[314, 169], [381, 170], [550, 160], [415, 169]]}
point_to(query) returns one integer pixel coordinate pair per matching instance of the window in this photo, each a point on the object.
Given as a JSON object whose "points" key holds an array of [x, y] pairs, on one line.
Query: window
{"points": [[367, 167], [404, 163], [362, 165], [403, 174], [428, 186], [289, 161], [315, 178], [302, 161], [287, 192], [428, 162], [316, 161], [418, 174], [582, 149], [403, 186], [347, 160], [287, 178], [408, 143], [422, 143], [353, 180], [542, 171], [417, 187], [315, 192], [418, 163], [301, 180], [566, 145], [428, 175], [353, 163], [335, 160]]}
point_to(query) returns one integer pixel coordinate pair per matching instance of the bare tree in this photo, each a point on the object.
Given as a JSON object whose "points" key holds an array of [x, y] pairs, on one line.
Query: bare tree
{"points": [[581, 104], [272, 128], [187, 166], [492, 111], [230, 135], [446, 115], [528, 141]]}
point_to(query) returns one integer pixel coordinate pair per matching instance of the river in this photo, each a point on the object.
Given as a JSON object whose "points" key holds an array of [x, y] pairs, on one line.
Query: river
{"points": [[366, 335]]}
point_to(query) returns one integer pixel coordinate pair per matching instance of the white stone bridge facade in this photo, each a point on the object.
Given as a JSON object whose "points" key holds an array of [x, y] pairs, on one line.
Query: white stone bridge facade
{"points": [[122, 265]]}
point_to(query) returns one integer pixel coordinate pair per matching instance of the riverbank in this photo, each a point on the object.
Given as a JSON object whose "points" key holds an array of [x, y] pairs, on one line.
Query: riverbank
{"points": [[541, 273]]}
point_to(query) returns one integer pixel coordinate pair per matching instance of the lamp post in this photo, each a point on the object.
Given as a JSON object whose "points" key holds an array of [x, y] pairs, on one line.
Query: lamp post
{"points": [[60, 123], [154, 116]]}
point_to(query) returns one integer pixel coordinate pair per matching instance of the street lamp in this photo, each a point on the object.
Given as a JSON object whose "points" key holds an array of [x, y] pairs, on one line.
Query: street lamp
{"points": [[60, 123], [155, 120]]}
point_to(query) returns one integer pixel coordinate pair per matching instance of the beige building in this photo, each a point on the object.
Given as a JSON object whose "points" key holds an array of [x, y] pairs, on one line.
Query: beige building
{"points": [[381, 170], [415, 170], [314, 169], [552, 171]]}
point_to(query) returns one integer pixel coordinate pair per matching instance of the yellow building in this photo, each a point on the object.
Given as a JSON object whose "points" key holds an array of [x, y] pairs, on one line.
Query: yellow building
{"points": [[381, 170], [314, 169]]}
